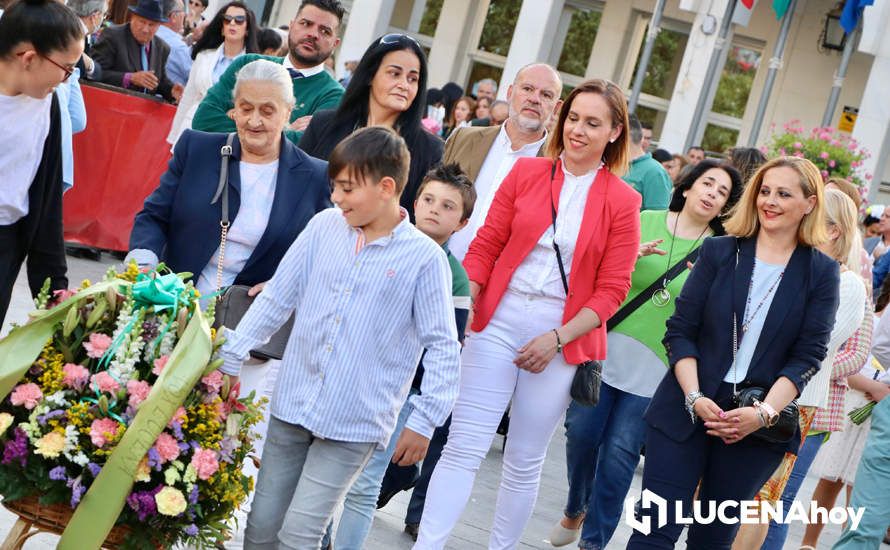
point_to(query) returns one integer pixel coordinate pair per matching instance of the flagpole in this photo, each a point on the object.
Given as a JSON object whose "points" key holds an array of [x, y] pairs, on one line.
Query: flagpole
{"points": [[654, 29], [775, 63], [706, 97], [839, 77]]}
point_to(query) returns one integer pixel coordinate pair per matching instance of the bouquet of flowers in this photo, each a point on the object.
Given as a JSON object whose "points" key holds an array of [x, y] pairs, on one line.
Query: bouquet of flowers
{"points": [[120, 413], [833, 152]]}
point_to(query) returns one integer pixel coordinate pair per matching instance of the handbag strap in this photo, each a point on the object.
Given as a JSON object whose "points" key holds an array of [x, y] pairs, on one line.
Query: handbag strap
{"points": [[647, 293], [222, 190], [640, 298]]}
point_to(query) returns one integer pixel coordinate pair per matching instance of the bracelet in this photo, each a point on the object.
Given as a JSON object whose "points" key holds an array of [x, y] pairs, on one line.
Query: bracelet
{"points": [[558, 341], [691, 398], [760, 414]]}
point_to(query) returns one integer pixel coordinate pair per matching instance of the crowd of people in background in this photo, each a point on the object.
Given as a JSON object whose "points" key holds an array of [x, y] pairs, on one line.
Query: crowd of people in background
{"points": [[486, 244]]}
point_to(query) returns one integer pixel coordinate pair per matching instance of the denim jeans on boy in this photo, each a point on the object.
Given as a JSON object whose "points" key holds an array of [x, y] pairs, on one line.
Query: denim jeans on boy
{"points": [[778, 532], [361, 500], [871, 490], [602, 450], [301, 481]]}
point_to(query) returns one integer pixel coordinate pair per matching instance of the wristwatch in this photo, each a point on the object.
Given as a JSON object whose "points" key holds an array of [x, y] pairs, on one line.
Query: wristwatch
{"points": [[691, 398]]}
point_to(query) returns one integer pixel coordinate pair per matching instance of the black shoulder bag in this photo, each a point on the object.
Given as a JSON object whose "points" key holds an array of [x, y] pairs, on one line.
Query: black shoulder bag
{"points": [[589, 374], [235, 302]]}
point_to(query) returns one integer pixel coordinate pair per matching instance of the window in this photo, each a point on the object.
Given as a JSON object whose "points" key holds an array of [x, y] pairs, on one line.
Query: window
{"points": [[731, 98], [578, 42]]}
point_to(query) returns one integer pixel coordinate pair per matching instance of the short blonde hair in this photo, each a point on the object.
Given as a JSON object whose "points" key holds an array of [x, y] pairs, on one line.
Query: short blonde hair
{"points": [[840, 211], [744, 222]]}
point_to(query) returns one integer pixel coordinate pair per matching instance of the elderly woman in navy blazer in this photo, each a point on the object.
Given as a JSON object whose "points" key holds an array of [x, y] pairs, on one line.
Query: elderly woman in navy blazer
{"points": [[782, 294], [275, 189]]}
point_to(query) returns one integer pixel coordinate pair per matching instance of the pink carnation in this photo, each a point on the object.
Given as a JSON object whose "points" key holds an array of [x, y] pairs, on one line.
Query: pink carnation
{"points": [[214, 381], [798, 145], [178, 416], [160, 363], [27, 395], [97, 345], [832, 163], [76, 376], [166, 447], [105, 382], [205, 463], [103, 430], [62, 294], [138, 390], [824, 155]]}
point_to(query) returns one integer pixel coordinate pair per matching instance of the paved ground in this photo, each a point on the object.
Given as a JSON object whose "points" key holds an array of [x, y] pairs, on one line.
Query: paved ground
{"points": [[472, 532]]}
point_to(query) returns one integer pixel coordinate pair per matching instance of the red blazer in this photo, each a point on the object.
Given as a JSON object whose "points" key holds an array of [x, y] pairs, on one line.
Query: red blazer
{"points": [[604, 256]]}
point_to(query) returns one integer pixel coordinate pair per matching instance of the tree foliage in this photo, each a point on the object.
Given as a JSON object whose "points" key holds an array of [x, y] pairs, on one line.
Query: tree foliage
{"points": [[500, 22], [579, 42]]}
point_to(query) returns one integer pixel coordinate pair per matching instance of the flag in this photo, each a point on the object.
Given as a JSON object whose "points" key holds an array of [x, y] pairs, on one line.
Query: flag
{"points": [[852, 12], [749, 4], [780, 7]]}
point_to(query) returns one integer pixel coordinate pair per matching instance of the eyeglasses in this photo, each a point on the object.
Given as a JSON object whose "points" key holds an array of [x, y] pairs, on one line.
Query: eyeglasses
{"points": [[68, 71], [396, 38], [237, 19]]}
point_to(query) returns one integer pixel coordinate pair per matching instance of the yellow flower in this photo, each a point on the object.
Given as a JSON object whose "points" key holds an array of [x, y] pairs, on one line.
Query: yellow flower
{"points": [[170, 501], [143, 471], [51, 445], [6, 420]]}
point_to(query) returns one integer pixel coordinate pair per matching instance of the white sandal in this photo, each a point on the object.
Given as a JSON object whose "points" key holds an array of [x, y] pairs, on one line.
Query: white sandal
{"points": [[563, 536]]}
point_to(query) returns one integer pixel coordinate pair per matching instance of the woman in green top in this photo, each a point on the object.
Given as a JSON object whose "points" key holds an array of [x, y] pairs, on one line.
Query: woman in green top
{"points": [[603, 443]]}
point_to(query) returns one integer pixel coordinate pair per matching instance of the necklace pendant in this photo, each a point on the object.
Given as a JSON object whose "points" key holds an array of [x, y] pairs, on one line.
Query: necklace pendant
{"points": [[661, 298]]}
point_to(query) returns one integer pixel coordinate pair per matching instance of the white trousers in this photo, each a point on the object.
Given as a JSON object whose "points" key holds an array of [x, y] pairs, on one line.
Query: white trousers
{"points": [[489, 381]]}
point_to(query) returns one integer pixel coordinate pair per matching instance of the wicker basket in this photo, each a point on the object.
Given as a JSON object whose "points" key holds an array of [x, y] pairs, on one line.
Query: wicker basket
{"points": [[49, 519]]}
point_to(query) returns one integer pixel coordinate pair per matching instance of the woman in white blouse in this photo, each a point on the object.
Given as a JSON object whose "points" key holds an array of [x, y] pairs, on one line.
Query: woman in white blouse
{"points": [[232, 32]]}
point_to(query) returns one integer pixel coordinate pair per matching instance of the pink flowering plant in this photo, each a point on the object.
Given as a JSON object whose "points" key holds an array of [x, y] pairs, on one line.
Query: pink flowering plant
{"points": [[835, 153], [64, 419]]}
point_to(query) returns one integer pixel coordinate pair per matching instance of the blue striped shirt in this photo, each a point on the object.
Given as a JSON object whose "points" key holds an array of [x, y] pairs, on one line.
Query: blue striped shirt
{"points": [[364, 314]]}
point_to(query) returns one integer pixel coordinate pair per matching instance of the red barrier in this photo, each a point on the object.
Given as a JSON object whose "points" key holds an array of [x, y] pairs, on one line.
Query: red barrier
{"points": [[118, 161]]}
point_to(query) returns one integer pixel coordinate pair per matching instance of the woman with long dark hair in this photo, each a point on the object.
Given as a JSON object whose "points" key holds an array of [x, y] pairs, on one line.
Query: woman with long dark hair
{"points": [[231, 33], [41, 42], [388, 88]]}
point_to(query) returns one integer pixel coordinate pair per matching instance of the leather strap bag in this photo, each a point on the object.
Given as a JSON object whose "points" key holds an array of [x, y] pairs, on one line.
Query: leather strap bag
{"points": [[235, 302]]}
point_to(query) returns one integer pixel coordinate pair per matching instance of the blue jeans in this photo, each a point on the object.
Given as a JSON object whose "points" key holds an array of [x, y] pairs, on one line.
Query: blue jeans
{"points": [[778, 532], [603, 446], [361, 500], [871, 490], [301, 481]]}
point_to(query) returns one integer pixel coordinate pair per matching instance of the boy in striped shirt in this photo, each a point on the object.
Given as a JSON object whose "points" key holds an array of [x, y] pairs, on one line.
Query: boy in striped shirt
{"points": [[371, 293], [443, 206]]}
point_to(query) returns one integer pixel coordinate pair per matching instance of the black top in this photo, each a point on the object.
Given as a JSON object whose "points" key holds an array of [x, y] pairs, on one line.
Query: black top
{"points": [[325, 132]]}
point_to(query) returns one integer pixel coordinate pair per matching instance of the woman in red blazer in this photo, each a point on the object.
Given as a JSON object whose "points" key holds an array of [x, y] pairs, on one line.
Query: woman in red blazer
{"points": [[529, 332]]}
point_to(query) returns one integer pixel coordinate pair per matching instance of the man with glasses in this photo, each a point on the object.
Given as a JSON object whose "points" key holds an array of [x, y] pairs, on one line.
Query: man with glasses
{"points": [[92, 14], [132, 56], [179, 64], [312, 38]]}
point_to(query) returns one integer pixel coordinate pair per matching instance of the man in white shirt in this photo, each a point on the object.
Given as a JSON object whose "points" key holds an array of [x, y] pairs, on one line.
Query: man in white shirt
{"points": [[488, 154]]}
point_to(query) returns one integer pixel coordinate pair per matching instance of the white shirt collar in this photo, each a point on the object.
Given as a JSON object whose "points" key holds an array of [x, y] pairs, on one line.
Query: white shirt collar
{"points": [[221, 52], [311, 71], [529, 149]]}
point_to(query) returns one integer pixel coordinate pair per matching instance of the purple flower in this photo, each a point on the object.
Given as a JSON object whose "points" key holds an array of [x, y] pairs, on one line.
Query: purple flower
{"points": [[226, 449], [191, 530], [16, 449], [143, 503], [77, 491], [94, 468], [51, 414], [177, 430], [183, 447], [193, 496], [154, 459], [58, 474]]}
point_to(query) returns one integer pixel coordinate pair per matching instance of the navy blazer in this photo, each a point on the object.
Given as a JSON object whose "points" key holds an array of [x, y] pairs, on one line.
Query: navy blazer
{"points": [[181, 227], [793, 342]]}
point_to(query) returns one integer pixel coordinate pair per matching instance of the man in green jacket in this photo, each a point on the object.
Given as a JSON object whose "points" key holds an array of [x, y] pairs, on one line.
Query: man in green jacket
{"points": [[313, 36], [646, 174]]}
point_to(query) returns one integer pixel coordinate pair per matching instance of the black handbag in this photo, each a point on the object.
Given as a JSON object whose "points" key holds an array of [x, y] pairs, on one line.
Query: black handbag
{"points": [[783, 430], [235, 302], [232, 306], [589, 374]]}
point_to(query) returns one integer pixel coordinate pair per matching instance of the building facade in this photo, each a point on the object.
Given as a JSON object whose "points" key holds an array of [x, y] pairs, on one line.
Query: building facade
{"points": [[467, 40]]}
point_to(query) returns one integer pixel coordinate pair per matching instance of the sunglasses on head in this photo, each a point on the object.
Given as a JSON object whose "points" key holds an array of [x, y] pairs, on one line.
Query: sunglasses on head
{"points": [[396, 38], [237, 19]]}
